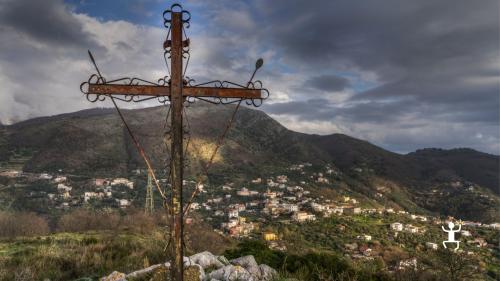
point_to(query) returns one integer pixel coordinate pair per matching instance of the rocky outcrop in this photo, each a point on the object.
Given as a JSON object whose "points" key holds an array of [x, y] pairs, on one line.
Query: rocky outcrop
{"points": [[231, 273], [267, 273], [115, 276], [203, 266], [248, 263], [207, 259]]}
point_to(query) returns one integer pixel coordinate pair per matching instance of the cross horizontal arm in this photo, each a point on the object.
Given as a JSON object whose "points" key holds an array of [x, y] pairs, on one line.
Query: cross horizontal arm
{"points": [[222, 92], [142, 90], [152, 90]]}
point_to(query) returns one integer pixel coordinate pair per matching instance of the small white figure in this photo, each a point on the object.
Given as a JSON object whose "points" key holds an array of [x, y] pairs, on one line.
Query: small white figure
{"points": [[451, 234]]}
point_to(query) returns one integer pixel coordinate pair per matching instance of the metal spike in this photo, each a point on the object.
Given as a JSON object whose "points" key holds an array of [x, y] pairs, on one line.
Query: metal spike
{"points": [[94, 63]]}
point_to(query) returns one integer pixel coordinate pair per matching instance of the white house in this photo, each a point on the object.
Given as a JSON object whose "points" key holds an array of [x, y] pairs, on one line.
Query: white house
{"points": [[282, 179], [318, 207], [270, 194], [494, 225], [194, 206], [322, 180], [409, 263], [239, 207], [123, 181], [60, 179], [124, 203], [63, 188], [231, 223], [430, 245], [291, 207], [397, 226], [45, 176], [253, 193], [271, 183], [465, 233], [257, 181], [412, 229], [352, 210], [302, 216], [243, 192], [233, 213], [365, 237], [89, 195]]}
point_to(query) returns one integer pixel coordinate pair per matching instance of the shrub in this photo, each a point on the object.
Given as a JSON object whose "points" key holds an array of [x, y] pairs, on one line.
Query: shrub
{"points": [[84, 220], [308, 266], [14, 224], [139, 222], [260, 251]]}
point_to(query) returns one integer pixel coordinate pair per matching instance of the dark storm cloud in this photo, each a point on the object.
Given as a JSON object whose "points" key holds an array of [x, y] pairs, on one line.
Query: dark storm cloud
{"points": [[385, 36], [436, 62], [327, 83], [386, 112], [447, 97], [425, 50], [323, 110], [45, 21]]}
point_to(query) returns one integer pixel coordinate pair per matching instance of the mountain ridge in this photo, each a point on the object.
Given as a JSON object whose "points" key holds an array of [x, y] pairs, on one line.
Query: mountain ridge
{"points": [[95, 142], [107, 110]]}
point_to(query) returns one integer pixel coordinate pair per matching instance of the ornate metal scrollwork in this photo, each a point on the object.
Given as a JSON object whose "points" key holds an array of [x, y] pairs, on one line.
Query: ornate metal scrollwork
{"points": [[176, 8], [165, 81], [95, 79], [257, 85]]}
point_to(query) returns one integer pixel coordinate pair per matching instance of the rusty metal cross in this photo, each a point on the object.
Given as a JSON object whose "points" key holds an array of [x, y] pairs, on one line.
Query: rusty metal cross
{"points": [[174, 91]]}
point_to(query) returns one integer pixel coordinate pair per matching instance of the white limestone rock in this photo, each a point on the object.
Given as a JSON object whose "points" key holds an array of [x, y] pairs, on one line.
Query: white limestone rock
{"points": [[143, 272], [115, 276], [231, 273], [249, 263], [188, 261], [223, 260], [206, 260], [201, 270], [267, 273], [240, 269]]}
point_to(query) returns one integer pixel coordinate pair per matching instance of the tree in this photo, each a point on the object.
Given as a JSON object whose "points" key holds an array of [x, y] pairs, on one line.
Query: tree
{"points": [[456, 266]]}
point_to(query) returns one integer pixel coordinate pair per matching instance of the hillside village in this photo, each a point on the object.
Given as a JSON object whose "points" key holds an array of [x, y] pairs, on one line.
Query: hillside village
{"points": [[261, 207]]}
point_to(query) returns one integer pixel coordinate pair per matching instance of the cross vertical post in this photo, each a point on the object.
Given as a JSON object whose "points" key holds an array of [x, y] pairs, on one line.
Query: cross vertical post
{"points": [[176, 162]]}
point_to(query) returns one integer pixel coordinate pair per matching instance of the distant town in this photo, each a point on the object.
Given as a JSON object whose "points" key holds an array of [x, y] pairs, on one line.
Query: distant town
{"points": [[256, 208]]}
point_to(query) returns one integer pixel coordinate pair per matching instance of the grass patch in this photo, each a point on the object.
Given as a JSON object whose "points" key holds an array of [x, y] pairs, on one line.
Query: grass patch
{"points": [[67, 256]]}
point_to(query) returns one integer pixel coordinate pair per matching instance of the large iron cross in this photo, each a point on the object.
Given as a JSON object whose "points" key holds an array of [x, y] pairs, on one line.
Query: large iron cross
{"points": [[176, 91]]}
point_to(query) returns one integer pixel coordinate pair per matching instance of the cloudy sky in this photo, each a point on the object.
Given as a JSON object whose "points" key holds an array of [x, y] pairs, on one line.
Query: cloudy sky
{"points": [[401, 74]]}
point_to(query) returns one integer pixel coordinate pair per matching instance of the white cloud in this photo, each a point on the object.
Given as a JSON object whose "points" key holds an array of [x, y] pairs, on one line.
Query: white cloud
{"points": [[293, 123], [47, 80]]}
